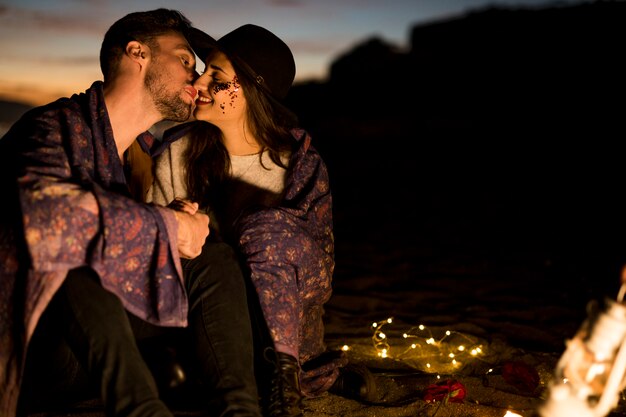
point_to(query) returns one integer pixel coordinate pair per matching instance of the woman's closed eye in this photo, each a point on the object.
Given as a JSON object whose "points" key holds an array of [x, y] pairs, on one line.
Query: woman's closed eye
{"points": [[220, 86]]}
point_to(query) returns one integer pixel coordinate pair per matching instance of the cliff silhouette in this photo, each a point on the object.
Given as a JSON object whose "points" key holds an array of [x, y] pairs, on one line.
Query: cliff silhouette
{"points": [[496, 135], [518, 64]]}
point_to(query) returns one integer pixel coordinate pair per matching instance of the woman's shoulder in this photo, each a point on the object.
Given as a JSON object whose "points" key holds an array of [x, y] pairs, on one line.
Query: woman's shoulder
{"points": [[304, 144], [299, 134]]}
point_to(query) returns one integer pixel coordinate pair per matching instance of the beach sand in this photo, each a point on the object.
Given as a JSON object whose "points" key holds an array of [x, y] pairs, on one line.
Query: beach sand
{"points": [[511, 298], [504, 309]]}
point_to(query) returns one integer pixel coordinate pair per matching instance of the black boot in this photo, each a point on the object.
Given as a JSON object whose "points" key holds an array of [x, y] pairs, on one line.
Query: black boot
{"points": [[355, 381], [284, 398]]}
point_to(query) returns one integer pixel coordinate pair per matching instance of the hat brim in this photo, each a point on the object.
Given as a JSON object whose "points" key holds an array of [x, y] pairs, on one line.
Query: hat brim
{"points": [[201, 43]]}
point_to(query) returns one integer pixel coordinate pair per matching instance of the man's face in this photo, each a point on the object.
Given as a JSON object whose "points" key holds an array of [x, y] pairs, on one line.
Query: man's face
{"points": [[169, 78]]}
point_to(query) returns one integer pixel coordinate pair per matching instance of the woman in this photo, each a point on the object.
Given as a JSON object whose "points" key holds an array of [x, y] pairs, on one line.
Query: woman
{"points": [[267, 192]]}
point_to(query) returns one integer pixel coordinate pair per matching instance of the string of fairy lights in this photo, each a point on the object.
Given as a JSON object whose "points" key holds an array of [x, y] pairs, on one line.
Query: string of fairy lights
{"points": [[431, 350]]}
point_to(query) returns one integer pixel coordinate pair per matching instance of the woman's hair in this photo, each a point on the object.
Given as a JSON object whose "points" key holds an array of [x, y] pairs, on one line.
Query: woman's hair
{"points": [[208, 162]]}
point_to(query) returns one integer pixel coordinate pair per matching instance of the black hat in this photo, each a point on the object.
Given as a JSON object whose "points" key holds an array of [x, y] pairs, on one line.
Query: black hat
{"points": [[264, 56]]}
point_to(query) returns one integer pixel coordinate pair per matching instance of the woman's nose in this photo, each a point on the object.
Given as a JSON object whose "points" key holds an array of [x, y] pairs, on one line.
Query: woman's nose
{"points": [[201, 82]]}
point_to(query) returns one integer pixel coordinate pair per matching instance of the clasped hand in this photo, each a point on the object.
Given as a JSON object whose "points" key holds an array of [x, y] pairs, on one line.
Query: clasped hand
{"points": [[193, 227]]}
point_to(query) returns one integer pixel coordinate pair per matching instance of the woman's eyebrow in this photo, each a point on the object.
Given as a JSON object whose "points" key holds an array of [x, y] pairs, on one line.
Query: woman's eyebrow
{"points": [[218, 68]]}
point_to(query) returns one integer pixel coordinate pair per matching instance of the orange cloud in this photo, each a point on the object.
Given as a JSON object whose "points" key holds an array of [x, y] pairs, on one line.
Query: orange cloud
{"points": [[62, 21]]}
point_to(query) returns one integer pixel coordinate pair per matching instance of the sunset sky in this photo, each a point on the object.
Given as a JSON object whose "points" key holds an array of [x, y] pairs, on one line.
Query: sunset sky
{"points": [[50, 48]]}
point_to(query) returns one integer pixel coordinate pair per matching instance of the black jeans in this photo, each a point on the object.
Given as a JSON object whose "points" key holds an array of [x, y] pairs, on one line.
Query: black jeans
{"points": [[86, 342], [220, 330]]}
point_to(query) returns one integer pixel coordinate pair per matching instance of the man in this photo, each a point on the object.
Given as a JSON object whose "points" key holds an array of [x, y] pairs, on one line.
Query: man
{"points": [[77, 253]]}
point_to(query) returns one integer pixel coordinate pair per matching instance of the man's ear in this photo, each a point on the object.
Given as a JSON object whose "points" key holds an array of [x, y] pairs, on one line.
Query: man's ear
{"points": [[136, 51]]}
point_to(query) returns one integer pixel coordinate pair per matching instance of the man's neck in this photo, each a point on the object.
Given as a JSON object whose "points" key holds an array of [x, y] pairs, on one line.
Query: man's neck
{"points": [[130, 114]]}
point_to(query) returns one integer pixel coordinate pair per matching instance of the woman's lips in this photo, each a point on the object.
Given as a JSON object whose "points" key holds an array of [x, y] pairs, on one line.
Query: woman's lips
{"points": [[202, 100]]}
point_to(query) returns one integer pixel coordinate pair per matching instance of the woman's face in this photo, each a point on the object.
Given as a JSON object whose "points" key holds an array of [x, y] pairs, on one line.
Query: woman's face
{"points": [[220, 97]]}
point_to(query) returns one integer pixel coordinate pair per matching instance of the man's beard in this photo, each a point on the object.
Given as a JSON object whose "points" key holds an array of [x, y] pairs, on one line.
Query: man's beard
{"points": [[170, 105]]}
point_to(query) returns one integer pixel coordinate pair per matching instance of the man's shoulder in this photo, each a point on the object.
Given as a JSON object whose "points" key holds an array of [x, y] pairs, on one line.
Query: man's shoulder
{"points": [[62, 115], [63, 108], [57, 106]]}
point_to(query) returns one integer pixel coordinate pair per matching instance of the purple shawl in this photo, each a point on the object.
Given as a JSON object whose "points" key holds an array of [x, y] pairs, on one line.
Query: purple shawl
{"points": [[69, 206], [289, 250]]}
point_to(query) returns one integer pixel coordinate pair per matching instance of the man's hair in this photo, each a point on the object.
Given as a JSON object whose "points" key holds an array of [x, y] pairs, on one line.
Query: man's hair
{"points": [[143, 27]]}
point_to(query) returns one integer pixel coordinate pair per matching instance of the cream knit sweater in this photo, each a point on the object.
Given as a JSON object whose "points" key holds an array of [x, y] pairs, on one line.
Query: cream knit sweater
{"points": [[252, 183]]}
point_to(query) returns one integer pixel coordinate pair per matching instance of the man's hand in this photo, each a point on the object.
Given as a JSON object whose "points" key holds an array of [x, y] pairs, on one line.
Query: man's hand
{"points": [[193, 228]]}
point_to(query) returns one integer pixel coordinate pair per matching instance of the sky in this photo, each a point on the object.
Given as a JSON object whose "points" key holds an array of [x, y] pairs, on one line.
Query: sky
{"points": [[50, 48]]}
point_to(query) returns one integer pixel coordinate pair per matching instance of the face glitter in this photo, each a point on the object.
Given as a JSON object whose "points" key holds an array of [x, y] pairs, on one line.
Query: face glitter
{"points": [[221, 87], [226, 87], [232, 87]]}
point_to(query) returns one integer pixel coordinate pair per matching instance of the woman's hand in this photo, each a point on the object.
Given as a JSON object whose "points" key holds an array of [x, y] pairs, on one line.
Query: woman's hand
{"points": [[185, 206]]}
